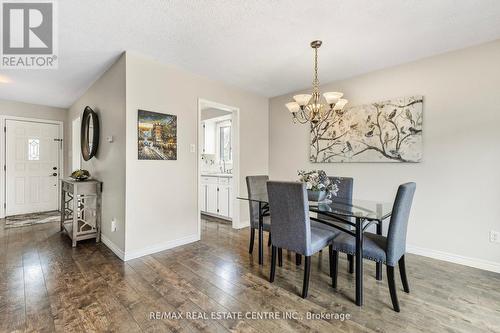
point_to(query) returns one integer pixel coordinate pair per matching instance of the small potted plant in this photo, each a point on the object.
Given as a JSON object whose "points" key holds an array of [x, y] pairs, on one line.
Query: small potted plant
{"points": [[318, 184]]}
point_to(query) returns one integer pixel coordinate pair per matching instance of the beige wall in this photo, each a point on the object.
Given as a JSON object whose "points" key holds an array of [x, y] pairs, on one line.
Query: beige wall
{"points": [[107, 97], [458, 192], [19, 109], [162, 196]]}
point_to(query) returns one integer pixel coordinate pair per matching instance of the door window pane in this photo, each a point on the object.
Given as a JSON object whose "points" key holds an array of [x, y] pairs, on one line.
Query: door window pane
{"points": [[33, 149]]}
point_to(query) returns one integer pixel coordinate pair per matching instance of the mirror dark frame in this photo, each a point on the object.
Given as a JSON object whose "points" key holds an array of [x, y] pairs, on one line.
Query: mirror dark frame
{"points": [[89, 116]]}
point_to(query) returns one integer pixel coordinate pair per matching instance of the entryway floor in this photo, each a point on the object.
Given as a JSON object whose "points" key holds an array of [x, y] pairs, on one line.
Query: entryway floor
{"points": [[24, 220]]}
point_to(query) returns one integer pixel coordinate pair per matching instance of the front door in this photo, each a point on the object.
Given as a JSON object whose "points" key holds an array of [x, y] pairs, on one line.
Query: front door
{"points": [[32, 167]]}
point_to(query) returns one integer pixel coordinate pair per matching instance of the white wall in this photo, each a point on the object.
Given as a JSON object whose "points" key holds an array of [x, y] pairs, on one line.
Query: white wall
{"points": [[458, 194], [26, 110], [162, 196], [107, 98]]}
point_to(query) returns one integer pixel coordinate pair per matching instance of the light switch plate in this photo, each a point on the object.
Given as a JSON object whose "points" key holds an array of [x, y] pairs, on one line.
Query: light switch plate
{"points": [[494, 236]]}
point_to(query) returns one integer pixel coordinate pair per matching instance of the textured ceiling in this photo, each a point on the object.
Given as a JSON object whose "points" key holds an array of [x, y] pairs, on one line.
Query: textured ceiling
{"points": [[258, 45]]}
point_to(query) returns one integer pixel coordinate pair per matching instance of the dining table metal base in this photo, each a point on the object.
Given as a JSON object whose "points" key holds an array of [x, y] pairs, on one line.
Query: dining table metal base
{"points": [[261, 234], [359, 261], [378, 268], [365, 214]]}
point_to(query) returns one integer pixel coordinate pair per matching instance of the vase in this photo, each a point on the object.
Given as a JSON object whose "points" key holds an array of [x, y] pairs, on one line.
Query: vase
{"points": [[316, 195]]}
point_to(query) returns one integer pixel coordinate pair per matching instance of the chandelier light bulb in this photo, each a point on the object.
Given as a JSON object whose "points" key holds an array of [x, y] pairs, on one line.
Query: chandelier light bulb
{"points": [[293, 107], [340, 104], [332, 97], [302, 99]]}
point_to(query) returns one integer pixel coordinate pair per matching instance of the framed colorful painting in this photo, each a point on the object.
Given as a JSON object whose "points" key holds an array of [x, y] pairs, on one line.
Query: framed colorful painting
{"points": [[156, 136]]}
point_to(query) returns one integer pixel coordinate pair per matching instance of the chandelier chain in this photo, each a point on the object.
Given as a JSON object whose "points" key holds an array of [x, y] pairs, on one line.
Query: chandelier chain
{"points": [[315, 80]]}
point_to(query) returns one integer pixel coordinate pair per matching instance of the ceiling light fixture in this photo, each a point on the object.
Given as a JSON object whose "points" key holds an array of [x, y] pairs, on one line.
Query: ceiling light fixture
{"points": [[310, 107]]}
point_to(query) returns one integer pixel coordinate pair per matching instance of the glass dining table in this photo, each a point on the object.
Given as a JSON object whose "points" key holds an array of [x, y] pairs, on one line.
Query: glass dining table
{"points": [[350, 216]]}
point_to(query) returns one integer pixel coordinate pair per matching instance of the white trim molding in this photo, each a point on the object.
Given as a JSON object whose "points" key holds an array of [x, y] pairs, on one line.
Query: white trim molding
{"points": [[113, 247], [129, 255], [235, 138], [455, 258]]}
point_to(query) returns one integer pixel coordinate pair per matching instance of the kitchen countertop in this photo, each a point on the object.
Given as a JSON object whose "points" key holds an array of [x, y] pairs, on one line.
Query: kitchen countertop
{"points": [[226, 175]]}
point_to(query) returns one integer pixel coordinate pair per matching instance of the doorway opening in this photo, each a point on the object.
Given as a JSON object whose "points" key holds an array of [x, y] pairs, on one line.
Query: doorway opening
{"points": [[32, 152], [218, 161]]}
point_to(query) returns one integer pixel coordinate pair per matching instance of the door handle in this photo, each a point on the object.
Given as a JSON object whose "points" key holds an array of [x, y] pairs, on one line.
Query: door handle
{"points": [[54, 174]]}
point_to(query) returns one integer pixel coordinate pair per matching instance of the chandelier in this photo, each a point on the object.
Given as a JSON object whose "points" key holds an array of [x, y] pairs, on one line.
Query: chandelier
{"points": [[311, 108]]}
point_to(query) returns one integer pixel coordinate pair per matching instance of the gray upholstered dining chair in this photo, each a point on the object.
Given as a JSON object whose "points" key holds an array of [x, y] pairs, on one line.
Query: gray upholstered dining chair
{"points": [[389, 250], [291, 227], [256, 185]]}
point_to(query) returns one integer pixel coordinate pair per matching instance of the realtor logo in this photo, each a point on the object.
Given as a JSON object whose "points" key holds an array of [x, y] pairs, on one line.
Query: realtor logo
{"points": [[28, 35]]}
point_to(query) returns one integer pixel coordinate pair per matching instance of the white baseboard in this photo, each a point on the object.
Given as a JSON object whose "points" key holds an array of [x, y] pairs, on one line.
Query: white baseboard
{"points": [[113, 247], [435, 254], [454, 258], [129, 255]]}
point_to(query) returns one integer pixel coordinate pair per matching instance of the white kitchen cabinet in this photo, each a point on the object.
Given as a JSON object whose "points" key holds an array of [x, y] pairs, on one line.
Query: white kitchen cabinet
{"points": [[224, 200], [212, 206], [209, 137], [203, 196], [216, 196]]}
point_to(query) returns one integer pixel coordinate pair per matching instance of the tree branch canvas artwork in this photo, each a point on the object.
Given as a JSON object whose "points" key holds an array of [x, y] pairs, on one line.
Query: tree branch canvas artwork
{"points": [[388, 131]]}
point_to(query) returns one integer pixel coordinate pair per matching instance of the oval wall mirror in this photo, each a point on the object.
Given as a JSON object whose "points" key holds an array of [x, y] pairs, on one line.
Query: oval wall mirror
{"points": [[89, 137]]}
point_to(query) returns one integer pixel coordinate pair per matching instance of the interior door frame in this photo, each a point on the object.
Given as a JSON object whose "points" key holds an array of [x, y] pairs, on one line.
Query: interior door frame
{"points": [[3, 142], [235, 138]]}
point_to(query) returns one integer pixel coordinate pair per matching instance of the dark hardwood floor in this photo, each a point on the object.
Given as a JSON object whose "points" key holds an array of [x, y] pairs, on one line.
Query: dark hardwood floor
{"points": [[45, 286]]}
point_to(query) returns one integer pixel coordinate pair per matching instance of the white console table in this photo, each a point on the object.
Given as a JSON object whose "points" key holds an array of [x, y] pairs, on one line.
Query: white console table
{"points": [[81, 209]]}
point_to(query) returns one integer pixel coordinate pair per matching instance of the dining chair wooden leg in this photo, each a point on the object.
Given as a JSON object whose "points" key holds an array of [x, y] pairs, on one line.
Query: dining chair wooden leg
{"points": [[307, 273], [392, 288], [298, 259], [334, 264], [269, 240], [402, 272], [252, 239], [280, 257], [350, 259], [273, 264]]}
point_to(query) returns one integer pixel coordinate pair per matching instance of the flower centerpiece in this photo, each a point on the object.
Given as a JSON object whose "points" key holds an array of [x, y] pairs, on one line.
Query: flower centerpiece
{"points": [[318, 184], [80, 175]]}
